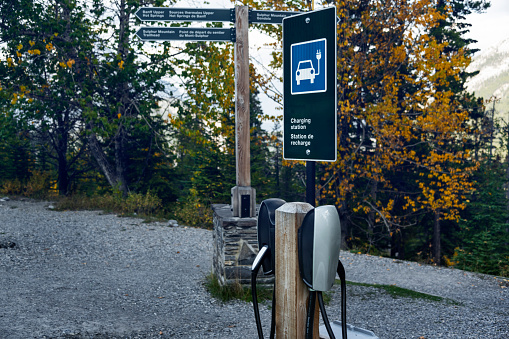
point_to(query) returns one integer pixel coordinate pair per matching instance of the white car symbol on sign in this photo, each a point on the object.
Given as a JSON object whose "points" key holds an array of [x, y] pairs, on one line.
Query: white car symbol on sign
{"points": [[306, 71]]}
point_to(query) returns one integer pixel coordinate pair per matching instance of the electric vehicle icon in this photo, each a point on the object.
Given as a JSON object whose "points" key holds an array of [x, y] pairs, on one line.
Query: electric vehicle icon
{"points": [[306, 70], [308, 67]]}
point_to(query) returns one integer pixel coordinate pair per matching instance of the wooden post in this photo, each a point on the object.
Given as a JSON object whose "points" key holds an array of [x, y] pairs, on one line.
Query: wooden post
{"points": [[291, 292], [243, 195], [242, 149]]}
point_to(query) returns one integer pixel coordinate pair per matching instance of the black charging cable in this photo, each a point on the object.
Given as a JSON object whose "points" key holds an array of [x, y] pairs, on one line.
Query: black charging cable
{"points": [[254, 273], [311, 315], [310, 319], [273, 320], [342, 277], [324, 316], [311, 308]]}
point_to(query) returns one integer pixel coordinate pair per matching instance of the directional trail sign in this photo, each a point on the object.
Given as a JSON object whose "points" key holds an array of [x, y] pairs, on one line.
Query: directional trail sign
{"points": [[186, 14], [186, 33], [243, 195], [309, 86], [269, 17]]}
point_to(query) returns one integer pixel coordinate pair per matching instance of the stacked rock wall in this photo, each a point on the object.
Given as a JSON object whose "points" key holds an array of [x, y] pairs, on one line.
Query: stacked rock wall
{"points": [[235, 247]]}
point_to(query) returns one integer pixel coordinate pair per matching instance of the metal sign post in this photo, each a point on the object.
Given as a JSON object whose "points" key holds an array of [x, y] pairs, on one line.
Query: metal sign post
{"points": [[310, 90]]}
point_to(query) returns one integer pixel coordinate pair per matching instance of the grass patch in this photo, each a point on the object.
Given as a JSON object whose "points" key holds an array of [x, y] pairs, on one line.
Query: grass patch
{"points": [[239, 292], [190, 212], [396, 291], [146, 206], [235, 291], [327, 297]]}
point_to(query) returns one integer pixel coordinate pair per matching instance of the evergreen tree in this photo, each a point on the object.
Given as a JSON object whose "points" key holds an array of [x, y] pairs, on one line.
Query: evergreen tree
{"points": [[483, 229]]}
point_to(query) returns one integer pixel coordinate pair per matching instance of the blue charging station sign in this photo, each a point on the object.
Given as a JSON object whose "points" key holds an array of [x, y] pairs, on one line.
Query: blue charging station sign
{"points": [[310, 86], [309, 66]]}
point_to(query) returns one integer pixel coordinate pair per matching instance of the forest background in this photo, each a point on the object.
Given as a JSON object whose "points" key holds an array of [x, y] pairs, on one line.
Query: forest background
{"points": [[89, 116]]}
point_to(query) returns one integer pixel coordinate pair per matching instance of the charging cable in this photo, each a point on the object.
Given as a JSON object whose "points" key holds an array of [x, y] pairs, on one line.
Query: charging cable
{"points": [[311, 308], [324, 316], [310, 320], [254, 272], [342, 277]]}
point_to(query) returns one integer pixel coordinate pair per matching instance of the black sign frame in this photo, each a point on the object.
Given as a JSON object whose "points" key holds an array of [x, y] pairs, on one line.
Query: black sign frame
{"points": [[310, 119]]}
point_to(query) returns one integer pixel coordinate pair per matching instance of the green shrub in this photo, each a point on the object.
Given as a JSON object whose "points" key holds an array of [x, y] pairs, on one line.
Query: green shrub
{"points": [[145, 204], [193, 212], [36, 187], [12, 187]]}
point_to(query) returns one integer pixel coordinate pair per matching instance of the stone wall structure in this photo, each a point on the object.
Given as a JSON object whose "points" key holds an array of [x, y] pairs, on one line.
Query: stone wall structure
{"points": [[235, 247]]}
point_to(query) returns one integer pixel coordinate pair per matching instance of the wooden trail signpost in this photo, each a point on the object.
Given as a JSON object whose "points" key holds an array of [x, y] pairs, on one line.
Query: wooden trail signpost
{"points": [[243, 195]]}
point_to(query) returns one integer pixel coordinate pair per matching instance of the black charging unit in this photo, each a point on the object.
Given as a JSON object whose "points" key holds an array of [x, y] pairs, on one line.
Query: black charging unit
{"points": [[319, 241], [266, 229]]}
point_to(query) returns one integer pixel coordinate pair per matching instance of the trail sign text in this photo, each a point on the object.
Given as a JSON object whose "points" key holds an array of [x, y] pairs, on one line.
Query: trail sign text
{"points": [[186, 14], [185, 33], [269, 17]]}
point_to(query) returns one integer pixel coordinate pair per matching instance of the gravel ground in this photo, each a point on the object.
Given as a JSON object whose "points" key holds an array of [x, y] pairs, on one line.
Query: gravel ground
{"points": [[91, 275]]}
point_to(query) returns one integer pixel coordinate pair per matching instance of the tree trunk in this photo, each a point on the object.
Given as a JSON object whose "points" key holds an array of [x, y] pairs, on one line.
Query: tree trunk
{"points": [[98, 154], [372, 215], [123, 95], [63, 175], [62, 141], [345, 225], [436, 250], [120, 163], [397, 245]]}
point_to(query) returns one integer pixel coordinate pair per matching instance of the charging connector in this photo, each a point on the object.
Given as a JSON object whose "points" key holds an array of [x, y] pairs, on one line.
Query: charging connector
{"points": [[342, 277], [257, 263]]}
